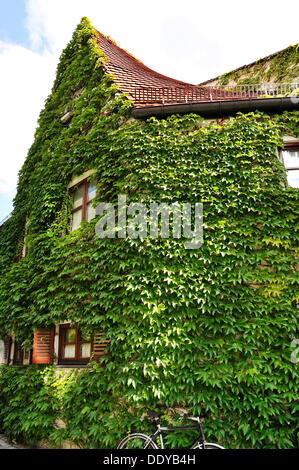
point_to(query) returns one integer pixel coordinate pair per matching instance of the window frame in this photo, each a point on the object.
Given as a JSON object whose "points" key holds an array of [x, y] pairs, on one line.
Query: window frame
{"points": [[85, 201], [18, 350], [8, 350], [77, 360], [294, 145]]}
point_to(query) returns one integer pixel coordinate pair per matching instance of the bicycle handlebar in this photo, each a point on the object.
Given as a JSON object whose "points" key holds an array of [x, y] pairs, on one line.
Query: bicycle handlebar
{"points": [[155, 416]]}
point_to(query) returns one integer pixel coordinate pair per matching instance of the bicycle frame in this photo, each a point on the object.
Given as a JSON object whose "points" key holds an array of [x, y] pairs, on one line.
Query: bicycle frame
{"points": [[164, 429]]}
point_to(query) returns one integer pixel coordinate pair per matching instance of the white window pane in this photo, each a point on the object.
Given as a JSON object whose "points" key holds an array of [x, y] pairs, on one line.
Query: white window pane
{"points": [[291, 158], [76, 219], [78, 197], [70, 335], [85, 350], [69, 351], [293, 178], [90, 212], [92, 189]]}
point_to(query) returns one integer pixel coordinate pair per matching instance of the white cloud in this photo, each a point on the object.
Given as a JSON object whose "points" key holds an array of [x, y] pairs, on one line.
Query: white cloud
{"points": [[189, 40], [24, 84]]}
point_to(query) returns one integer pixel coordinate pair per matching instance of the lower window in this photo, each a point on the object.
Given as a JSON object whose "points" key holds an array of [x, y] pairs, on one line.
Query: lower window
{"points": [[75, 347], [18, 354]]}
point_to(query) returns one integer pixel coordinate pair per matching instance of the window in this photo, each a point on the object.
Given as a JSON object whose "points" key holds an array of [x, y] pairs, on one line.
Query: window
{"points": [[83, 196], [18, 354], [75, 346], [290, 159], [7, 349]]}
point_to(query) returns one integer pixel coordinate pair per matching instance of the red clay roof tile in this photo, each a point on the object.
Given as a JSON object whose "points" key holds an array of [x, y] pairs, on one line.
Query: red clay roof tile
{"points": [[145, 87]]}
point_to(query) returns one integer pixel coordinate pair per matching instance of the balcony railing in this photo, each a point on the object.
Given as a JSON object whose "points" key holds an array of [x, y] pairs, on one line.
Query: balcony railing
{"points": [[168, 95], [267, 89]]}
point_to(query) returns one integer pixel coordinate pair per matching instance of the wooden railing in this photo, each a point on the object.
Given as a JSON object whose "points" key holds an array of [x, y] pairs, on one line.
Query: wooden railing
{"points": [[182, 94]]}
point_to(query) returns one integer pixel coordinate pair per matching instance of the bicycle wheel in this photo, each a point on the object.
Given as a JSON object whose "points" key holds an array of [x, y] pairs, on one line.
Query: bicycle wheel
{"points": [[137, 441], [208, 445]]}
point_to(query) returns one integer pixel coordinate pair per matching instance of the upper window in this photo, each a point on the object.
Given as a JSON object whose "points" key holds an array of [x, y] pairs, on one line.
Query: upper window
{"points": [[290, 159], [83, 196], [75, 346]]}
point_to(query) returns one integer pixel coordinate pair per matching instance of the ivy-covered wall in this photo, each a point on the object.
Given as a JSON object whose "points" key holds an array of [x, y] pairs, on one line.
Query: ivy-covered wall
{"points": [[207, 329], [282, 67]]}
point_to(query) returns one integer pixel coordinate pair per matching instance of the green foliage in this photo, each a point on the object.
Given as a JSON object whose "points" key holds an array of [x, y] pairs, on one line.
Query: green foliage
{"points": [[208, 329], [28, 403], [289, 122]]}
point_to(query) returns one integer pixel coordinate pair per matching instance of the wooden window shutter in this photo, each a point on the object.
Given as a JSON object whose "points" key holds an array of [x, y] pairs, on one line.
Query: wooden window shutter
{"points": [[99, 346], [43, 346], [7, 349]]}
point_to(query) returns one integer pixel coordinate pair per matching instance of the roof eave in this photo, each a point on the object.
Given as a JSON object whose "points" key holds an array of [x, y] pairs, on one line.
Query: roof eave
{"points": [[217, 109]]}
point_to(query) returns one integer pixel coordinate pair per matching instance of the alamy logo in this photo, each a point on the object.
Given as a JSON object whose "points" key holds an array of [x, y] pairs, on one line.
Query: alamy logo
{"points": [[158, 220]]}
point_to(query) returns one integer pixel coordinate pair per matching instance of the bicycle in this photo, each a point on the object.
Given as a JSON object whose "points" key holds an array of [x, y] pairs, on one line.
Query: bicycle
{"points": [[139, 440]]}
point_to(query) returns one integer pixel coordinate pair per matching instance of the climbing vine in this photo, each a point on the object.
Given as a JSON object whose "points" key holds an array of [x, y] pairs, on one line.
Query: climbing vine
{"points": [[208, 329]]}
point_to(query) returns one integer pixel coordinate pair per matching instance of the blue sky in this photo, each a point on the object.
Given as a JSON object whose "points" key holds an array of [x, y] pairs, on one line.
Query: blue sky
{"points": [[12, 22], [191, 41], [12, 30], [5, 205]]}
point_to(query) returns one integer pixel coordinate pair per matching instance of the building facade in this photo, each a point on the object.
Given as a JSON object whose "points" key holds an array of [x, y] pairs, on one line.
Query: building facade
{"points": [[157, 317]]}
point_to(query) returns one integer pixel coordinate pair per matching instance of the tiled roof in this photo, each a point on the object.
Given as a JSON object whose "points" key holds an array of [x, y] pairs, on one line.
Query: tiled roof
{"points": [[129, 72], [145, 87]]}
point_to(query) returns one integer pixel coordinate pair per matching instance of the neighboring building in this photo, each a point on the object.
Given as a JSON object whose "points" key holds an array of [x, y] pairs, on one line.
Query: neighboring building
{"points": [[280, 67]]}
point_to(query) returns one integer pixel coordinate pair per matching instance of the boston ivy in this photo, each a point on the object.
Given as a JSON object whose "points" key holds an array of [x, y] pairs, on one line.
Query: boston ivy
{"points": [[207, 329]]}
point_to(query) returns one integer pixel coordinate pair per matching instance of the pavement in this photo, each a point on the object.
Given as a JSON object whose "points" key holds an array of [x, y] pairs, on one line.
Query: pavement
{"points": [[5, 444]]}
